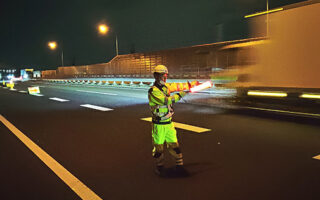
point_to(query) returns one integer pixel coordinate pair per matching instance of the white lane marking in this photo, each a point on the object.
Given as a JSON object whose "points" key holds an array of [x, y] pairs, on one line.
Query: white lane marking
{"points": [[58, 99], [13, 89], [73, 182], [96, 107], [285, 111], [23, 91], [38, 95], [317, 157], [183, 126], [96, 92]]}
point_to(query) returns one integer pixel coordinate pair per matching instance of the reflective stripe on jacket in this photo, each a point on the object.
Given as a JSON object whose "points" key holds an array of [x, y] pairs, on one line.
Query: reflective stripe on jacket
{"points": [[160, 103]]}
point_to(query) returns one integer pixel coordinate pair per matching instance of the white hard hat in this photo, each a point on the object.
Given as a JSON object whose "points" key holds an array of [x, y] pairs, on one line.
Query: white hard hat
{"points": [[161, 69]]}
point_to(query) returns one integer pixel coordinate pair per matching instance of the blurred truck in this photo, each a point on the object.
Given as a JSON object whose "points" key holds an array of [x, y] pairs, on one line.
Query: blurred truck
{"points": [[282, 64]]}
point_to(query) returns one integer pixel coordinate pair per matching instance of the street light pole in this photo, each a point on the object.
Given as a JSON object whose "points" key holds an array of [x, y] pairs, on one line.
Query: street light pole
{"points": [[267, 18], [53, 45], [103, 30], [62, 56], [117, 49]]}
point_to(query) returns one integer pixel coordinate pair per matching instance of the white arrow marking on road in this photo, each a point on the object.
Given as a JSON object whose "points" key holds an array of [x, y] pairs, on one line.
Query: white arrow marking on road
{"points": [[183, 126], [58, 99], [96, 107], [73, 182], [317, 157], [96, 92]]}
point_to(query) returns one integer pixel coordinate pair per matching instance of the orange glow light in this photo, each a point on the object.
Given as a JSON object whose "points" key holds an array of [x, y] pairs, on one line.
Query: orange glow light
{"points": [[103, 29], [52, 45]]}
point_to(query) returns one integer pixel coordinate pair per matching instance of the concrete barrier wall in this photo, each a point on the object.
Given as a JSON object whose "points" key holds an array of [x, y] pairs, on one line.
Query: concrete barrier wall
{"points": [[190, 62]]}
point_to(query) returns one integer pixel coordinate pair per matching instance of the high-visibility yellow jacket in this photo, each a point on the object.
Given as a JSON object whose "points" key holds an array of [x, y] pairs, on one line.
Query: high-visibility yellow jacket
{"points": [[160, 102]]}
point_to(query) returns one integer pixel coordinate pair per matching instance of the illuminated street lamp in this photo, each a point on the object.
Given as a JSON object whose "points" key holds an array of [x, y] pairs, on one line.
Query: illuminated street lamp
{"points": [[53, 45], [103, 30]]}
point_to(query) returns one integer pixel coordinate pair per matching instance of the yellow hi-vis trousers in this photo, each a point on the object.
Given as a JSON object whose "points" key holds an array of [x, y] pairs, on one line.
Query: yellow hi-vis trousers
{"points": [[165, 133]]}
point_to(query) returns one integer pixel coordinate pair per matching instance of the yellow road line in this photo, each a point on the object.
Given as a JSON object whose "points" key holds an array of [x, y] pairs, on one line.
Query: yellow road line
{"points": [[75, 184], [183, 126], [317, 157]]}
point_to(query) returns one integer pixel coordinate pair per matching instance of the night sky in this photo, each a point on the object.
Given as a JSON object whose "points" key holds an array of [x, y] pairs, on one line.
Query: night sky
{"points": [[141, 25]]}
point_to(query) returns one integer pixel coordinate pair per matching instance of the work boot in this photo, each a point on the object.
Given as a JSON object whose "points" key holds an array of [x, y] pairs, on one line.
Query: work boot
{"points": [[181, 171], [160, 171]]}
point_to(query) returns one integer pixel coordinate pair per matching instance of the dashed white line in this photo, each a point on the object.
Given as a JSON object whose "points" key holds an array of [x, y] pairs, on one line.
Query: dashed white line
{"points": [[39, 95], [58, 99], [96, 107], [104, 93], [22, 91]]}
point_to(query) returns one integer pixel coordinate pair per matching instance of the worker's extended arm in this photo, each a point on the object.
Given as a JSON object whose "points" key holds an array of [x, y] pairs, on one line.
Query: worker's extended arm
{"points": [[174, 87], [161, 99]]}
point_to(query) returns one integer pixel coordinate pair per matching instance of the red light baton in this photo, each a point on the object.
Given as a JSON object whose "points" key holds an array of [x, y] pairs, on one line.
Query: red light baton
{"points": [[205, 85]]}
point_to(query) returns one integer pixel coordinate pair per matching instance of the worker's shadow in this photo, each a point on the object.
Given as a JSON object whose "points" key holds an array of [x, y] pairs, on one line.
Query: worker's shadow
{"points": [[190, 169]]}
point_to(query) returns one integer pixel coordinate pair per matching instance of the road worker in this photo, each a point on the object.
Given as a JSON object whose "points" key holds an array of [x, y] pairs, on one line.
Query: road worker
{"points": [[163, 131]]}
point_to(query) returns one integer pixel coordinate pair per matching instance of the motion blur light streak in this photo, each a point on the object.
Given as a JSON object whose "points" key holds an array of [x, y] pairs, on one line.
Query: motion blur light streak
{"points": [[317, 157], [266, 93], [310, 96], [264, 12]]}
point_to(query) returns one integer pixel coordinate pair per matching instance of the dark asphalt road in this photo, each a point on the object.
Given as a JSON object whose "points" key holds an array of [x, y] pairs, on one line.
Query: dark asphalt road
{"points": [[246, 155]]}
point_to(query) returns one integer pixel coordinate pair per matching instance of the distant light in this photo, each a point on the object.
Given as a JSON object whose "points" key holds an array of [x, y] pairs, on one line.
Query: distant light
{"points": [[52, 45], [266, 93], [264, 12], [10, 76], [103, 29], [310, 96]]}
